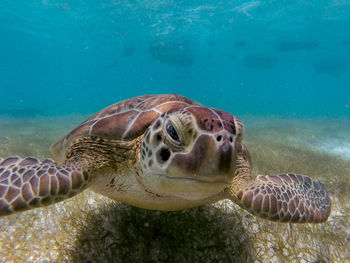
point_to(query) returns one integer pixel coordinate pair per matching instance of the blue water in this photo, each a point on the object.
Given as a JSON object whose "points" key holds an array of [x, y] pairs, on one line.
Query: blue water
{"points": [[246, 57]]}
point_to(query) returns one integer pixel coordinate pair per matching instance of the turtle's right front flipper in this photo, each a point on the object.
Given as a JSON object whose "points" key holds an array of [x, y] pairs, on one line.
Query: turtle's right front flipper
{"points": [[286, 198], [28, 183]]}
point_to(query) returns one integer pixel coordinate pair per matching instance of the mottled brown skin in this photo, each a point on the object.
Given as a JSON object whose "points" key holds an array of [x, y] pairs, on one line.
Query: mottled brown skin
{"points": [[28, 183], [162, 152], [285, 198], [125, 120]]}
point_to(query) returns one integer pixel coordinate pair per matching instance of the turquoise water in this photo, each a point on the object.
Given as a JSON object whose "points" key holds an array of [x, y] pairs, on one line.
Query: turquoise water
{"points": [[283, 67], [246, 57]]}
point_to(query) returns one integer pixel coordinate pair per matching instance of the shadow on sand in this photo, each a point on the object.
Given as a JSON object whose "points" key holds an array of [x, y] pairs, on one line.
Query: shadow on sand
{"points": [[121, 233]]}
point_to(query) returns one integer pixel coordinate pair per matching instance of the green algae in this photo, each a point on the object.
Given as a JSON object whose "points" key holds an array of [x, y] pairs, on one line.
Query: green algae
{"points": [[92, 228], [129, 234]]}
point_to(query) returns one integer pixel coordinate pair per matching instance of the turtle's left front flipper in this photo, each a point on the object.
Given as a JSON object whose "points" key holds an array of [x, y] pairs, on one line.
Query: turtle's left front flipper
{"points": [[28, 183], [286, 198]]}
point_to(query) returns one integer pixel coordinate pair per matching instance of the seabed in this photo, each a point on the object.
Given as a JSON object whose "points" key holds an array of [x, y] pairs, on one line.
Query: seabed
{"points": [[92, 228]]}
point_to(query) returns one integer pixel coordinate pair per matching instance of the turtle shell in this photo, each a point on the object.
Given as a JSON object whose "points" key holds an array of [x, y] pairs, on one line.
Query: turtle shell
{"points": [[125, 120]]}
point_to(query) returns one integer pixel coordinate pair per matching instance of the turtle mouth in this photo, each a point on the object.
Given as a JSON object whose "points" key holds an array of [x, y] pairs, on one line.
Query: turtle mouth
{"points": [[207, 179], [185, 187]]}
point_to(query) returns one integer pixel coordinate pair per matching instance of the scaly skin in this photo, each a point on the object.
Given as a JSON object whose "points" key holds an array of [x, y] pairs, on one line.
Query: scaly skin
{"points": [[28, 183], [286, 198], [162, 152]]}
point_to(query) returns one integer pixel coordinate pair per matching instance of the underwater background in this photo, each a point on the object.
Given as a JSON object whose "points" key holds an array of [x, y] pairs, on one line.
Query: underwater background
{"points": [[282, 67], [256, 57]]}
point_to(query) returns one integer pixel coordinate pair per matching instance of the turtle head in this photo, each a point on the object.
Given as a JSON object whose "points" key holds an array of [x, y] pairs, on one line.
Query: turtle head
{"points": [[190, 153]]}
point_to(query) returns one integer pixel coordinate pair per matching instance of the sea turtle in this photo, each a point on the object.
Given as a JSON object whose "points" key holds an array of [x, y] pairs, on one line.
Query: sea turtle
{"points": [[160, 152]]}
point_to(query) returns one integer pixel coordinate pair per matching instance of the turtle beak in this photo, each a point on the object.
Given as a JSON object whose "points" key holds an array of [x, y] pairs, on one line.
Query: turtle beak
{"points": [[212, 159], [225, 160], [226, 143]]}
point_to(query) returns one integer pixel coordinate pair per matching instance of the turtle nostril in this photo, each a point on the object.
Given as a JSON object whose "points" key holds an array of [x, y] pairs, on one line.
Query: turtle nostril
{"points": [[231, 139], [164, 154], [219, 138]]}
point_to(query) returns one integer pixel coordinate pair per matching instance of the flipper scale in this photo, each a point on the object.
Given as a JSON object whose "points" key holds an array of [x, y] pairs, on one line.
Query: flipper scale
{"points": [[286, 198], [27, 183]]}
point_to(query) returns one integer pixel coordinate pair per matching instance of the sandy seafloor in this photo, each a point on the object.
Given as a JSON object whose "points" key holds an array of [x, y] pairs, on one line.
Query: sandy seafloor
{"points": [[92, 228]]}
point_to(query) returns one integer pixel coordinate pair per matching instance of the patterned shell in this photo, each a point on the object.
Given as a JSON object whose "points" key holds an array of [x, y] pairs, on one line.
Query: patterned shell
{"points": [[125, 120]]}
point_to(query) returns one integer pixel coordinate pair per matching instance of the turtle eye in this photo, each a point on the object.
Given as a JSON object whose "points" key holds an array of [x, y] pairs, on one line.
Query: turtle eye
{"points": [[172, 132]]}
